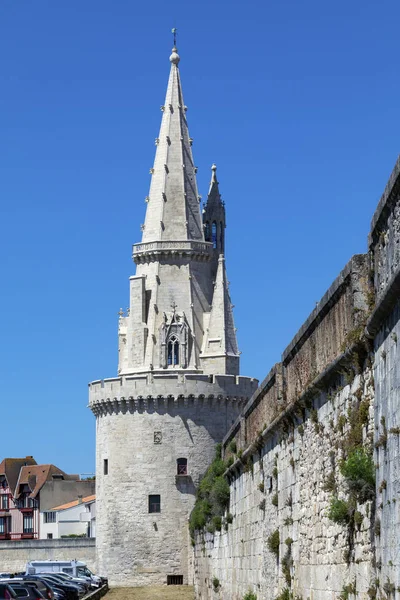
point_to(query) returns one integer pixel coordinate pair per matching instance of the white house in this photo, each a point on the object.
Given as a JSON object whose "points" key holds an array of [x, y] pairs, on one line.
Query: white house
{"points": [[76, 518]]}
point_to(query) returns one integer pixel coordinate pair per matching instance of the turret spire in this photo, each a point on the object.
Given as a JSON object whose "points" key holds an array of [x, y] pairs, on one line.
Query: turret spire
{"points": [[214, 219], [173, 211], [220, 351]]}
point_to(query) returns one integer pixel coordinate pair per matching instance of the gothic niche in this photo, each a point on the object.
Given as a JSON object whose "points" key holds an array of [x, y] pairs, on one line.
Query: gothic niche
{"points": [[174, 338]]}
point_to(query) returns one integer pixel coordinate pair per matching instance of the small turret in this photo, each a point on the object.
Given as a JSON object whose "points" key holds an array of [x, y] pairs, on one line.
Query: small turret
{"points": [[214, 219], [220, 352]]}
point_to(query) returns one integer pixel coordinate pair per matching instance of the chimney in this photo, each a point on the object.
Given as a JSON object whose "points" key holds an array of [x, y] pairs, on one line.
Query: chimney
{"points": [[79, 499]]}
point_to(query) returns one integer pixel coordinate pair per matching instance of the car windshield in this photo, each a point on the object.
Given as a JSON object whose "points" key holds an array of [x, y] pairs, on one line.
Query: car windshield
{"points": [[84, 571]]}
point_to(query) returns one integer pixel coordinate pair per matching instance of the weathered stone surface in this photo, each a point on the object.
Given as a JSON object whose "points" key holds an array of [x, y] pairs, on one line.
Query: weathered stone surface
{"points": [[14, 555]]}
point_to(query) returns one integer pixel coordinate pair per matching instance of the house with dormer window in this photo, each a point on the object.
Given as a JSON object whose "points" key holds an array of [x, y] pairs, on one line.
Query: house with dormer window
{"points": [[26, 488]]}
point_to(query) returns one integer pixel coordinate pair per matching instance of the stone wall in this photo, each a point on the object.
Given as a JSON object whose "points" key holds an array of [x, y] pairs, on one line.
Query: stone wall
{"points": [[15, 554], [338, 386]]}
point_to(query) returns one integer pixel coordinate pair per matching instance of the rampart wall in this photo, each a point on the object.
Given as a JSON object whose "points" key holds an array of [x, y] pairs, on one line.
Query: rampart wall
{"points": [[15, 554], [334, 395]]}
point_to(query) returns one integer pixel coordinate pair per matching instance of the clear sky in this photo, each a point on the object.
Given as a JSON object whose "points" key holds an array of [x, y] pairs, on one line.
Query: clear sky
{"points": [[296, 102]]}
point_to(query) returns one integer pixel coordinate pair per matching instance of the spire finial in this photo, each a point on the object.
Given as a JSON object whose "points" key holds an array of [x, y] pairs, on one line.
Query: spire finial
{"points": [[214, 173], [174, 58]]}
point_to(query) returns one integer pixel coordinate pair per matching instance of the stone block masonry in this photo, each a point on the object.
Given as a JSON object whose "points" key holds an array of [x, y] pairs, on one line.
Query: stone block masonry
{"points": [[15, 554], [300, 525]]}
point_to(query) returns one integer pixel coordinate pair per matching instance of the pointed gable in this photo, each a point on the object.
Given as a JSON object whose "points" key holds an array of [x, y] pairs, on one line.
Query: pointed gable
{"points": [[11, 467]]}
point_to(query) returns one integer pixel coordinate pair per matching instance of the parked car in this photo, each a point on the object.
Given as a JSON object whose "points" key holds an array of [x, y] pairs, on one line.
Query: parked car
{"points": [[64, 578], [75, 568], [26, 591], [71, 592], [44, 588], [6, 592]]}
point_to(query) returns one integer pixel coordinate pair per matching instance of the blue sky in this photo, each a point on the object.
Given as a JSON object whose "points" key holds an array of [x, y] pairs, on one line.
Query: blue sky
{"points": [[296, 102]]}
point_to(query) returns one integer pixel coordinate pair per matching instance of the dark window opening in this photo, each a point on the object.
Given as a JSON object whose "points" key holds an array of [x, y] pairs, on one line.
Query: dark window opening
{"points": [[174, 579], [4, 502], [214, 234], [207, 232], [148, 298], [221, 236], [155, 503], [181, 465], [49, 536], [173, 351], [105, 466]]}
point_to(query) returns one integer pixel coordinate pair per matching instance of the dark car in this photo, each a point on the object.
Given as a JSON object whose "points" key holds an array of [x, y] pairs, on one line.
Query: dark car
{"points": [[7, 592], [24, 591], [71, 593], [66, 578], [42, 586]]}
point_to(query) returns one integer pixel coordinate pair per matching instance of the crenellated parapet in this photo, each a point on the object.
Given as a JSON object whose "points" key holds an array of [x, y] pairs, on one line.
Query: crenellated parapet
{"points": [[148, 392]]}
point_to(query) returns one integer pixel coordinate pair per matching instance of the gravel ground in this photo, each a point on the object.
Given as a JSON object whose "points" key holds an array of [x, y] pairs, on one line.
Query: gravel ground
{"points": [[167, 592]]}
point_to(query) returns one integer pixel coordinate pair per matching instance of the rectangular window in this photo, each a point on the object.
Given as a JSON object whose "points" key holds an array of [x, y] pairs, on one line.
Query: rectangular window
{"points": [[50, 517], [4, 505], [105, 466], [49, 536], [28, 524], [155, 503], [2, 525]]}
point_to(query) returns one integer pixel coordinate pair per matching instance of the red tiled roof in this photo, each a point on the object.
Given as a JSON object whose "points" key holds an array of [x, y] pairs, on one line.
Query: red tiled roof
{"points": [[85, 500]]}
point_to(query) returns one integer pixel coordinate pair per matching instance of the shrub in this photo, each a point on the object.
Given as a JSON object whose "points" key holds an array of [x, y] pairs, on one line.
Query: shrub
{"points": [[233, 446], [359, 473], [212, 498], [329, 484], [274, 500], [215, 583], [261, 486], [249, 596], [273, 542], [339, 511]]}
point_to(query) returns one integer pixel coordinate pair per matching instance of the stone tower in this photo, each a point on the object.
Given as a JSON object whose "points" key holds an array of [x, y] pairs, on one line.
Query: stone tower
{"points": [[178, 388]]}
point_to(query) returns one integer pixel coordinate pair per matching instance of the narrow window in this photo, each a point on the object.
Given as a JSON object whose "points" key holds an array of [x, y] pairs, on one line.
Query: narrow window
{"points": [[49, 517], [221, 236], [4, 501], [155, 503], [173, 351], [207, 232], [28, 524], [181, 466], [214, 234], [49, 536], [105, 466]]}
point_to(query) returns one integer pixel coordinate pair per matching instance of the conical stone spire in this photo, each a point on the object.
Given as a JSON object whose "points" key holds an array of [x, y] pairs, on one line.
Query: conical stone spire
{"points": [[173, 211], [220, 351]]}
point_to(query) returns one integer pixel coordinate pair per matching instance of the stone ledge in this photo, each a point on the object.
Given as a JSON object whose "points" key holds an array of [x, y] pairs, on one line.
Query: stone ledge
{"points": [[323, 307], [384, 205], [315, 388], [384, 307]]}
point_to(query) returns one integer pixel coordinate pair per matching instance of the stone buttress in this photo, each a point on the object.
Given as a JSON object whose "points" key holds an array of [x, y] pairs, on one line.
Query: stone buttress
{"points": [[178, 388]]}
